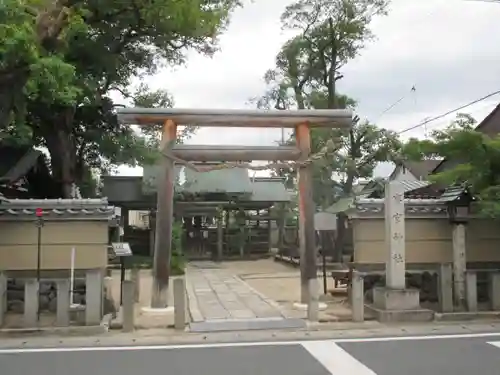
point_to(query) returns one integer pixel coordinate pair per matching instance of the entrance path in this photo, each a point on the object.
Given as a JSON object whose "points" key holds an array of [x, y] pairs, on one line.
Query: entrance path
{"points": [[215, 293], [220, 300]]}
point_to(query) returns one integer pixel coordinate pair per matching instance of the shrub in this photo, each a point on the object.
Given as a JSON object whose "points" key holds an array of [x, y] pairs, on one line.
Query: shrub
{"points": [[177, 262]]}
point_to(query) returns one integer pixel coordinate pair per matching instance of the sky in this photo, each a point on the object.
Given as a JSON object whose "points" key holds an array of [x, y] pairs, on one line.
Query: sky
{"points": [[447, 49]]}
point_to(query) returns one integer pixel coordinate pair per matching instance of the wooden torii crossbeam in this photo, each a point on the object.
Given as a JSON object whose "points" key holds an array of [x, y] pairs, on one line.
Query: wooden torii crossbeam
{"points": [[300, 120], [204, 153]]}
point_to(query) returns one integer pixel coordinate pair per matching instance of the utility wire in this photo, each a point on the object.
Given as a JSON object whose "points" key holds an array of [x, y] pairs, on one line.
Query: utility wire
{"points": [[423, 123], [413, 89]]}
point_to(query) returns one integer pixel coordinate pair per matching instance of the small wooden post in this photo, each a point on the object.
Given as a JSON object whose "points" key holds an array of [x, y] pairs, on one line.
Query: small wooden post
{"points": [[63, 302], [94, 281], [152, 225], [281, 230], [494, 291], [135, 277], [220, 236], [471, 290], [164, 219], [179, 304], [307, 235], [225, 236], [3, 297], [445, 283], [31, 302], [242, 240], [357, 297], [128, 306], [269, 232]]}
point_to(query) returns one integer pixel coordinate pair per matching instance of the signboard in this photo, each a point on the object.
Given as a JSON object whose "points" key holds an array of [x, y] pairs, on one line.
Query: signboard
{"points": [[325, 221], [121, 249]]}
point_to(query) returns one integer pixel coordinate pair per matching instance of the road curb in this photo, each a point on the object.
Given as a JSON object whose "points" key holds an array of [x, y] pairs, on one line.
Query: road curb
{"points": [[167, 337]]}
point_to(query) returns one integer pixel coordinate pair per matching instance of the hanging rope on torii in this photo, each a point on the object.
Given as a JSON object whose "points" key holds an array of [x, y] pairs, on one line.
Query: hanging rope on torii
{"points": [[300, 120], [326, 150]]}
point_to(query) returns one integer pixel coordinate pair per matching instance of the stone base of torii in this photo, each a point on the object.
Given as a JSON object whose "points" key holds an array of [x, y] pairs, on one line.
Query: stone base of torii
{"points": [[394, 301]]}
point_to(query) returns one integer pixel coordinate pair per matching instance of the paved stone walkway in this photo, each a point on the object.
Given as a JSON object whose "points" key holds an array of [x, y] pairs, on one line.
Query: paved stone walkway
{"points": [[216, 294]]}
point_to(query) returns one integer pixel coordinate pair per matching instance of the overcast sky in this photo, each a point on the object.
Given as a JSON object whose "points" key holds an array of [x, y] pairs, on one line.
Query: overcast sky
{"points": [[447, 49]]}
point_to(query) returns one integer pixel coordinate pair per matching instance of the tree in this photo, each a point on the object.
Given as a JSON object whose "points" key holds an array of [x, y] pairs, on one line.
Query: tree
{"points": [[475, 157], [100, 47], [333, 32], [29, 36], [146, 98], [307, 69]]}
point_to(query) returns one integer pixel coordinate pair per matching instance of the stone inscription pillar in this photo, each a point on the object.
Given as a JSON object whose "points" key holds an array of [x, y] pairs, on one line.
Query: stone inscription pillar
{"points": [[395, 235]]}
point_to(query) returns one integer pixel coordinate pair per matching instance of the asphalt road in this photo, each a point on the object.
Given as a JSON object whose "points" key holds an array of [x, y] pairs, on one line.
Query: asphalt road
{"points": [[386, 356]]}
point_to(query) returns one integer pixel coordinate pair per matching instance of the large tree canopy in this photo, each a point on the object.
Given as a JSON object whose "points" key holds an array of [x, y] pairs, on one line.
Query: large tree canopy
{"points": [[308, 67], [474, 160], [61, 59]]}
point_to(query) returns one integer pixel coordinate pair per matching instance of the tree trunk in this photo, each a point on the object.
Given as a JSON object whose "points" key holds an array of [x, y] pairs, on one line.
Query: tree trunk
{"points": [[6, 106], [11, 90], [62, 151], [332, 70], [341, 223], [299, 97]]}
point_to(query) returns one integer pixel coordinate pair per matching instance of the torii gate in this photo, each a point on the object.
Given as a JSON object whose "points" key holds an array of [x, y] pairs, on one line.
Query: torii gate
{"points": [[300, 120]]}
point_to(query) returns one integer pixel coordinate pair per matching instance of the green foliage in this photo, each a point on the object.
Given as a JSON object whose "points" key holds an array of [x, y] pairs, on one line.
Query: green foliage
{"points": [[307, 69], [335, 30], [55, 82], [474, 159], [60, 61], [358, 152], [177, 262], [27, 68]]}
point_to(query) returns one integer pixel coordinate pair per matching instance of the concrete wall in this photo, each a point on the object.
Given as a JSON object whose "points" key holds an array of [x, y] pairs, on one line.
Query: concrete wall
{"points": [[18, 245], [427, 240]]}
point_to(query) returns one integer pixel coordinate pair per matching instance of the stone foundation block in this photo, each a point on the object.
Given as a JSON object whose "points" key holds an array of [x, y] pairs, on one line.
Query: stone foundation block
{"points": [[396, 299]]}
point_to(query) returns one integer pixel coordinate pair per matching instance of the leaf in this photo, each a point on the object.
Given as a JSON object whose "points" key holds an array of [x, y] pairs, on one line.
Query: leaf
{"points": [[60, 63]]}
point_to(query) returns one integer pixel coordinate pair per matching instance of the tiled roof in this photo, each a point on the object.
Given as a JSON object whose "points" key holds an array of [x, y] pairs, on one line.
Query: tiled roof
{"points": [[413, 185], [413, 207], [341, 205], [230, 181], [57, 209], [423, 168], [379, 187], [456, 193], [269, 190], [235, 182], [150, 174], [26, 161]]}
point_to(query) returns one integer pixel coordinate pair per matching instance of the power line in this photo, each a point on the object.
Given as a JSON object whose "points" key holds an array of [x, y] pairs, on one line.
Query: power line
{"points": [[449, 112], [413, 90]]}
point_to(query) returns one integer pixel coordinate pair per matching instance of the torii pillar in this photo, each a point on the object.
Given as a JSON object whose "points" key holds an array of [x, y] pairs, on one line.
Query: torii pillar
{"points": [[307, 237], [164, 219]]}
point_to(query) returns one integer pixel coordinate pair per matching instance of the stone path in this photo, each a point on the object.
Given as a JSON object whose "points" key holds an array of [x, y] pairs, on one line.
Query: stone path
{"points": [[216, 294]]}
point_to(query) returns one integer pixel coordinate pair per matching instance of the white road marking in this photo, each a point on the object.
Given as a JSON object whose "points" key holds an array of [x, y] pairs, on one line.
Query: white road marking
{"points": [[495, 343], [241, 344], [335, 359]]}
